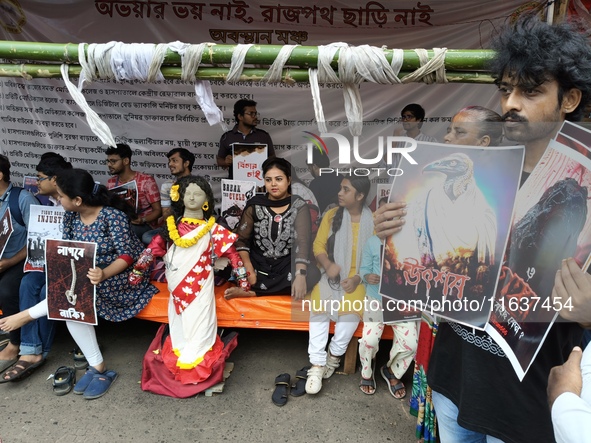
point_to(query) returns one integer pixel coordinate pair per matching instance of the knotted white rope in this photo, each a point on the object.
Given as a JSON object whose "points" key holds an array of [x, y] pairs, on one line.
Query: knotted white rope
{"points": [[318, 110], [322, 73], [397, 61], [134, 61], [275, 72], [351, 94], [371, 65], [138, 61], [156, 60], [237, 63], [431, 70], [98, 127], [367, 63], [191, 56]]}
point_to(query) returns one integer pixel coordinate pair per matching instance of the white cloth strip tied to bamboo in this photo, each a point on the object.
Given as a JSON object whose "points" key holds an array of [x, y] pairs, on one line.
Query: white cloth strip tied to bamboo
{"points": [[367, 63], [139, 61], [275, 72], [237, 63], [191, 56], [431, 70], [96, 124]]}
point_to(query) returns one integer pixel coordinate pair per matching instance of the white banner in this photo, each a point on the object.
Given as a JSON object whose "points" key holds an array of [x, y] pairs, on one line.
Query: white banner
{"points": [[40, 115]]}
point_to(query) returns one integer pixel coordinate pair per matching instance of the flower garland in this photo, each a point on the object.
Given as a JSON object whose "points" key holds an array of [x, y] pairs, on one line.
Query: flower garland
{"points": [[182, 242]]}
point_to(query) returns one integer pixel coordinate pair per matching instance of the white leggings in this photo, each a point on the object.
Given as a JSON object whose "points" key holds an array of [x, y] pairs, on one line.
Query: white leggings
{"points": [[83, 334], [344, 329]]}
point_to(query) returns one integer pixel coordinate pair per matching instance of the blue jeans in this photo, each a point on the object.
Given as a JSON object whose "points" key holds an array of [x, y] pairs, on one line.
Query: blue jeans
{"points": [[447, 423], [36, 336]]}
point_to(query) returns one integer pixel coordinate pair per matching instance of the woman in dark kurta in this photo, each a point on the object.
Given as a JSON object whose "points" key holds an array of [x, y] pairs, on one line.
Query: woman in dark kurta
{"points": [[274, 230]]}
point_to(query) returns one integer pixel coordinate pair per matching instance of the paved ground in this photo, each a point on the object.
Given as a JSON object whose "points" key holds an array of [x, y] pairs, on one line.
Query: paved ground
{"points": [[244, 412]]}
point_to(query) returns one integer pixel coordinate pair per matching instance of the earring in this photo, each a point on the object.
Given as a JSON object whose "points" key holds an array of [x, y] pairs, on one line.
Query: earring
{"points": [[205, 206]]}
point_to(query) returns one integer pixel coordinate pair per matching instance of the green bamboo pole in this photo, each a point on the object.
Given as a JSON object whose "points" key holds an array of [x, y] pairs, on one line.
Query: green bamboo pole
{"points": [[290, 75], [302, 56]]}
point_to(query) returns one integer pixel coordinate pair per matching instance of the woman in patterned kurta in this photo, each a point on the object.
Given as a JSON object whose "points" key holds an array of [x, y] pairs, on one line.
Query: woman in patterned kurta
{"points": [[116, 299]]}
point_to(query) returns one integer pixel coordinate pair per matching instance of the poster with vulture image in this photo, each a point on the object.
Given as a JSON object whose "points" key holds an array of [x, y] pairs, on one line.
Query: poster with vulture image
{"points": [[551, 223], [447, 257]]}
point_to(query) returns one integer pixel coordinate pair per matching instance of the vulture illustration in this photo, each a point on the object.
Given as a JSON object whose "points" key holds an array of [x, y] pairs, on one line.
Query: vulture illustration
{"points": [[457, 220]]}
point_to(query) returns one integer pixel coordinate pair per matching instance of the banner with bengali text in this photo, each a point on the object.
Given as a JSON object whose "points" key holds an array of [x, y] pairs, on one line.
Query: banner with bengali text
{"points": [[39, 115]]}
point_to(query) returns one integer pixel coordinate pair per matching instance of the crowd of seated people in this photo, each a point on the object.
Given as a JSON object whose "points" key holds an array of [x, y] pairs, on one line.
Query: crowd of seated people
{"points": [[276, 244]]}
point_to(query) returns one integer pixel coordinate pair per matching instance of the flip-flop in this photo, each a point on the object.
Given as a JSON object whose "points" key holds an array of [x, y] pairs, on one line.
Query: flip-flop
{"points": [[387, 375], [279, 396], [299, 387], [64, 379], [22, 368]]}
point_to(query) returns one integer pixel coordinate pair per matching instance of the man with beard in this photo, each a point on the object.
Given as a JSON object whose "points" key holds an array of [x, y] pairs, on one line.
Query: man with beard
{"points": [[180, 163], [544, 77], [148, 206]]}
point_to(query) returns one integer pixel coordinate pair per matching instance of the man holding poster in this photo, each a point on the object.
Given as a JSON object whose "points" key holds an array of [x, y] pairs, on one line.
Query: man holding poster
{"points": [[146, 198], [245, 131], [483, 395], [544, 77]]}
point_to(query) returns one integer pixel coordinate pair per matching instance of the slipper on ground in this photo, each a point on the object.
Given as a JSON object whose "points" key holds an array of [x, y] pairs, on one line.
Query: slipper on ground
{"points": [[100, 384], [64, 379], [299, 387], [368, 382], [282, 385]]}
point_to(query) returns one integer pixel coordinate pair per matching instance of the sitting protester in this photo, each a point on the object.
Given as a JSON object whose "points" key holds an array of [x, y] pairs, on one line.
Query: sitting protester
{"points": [[274, 230]]}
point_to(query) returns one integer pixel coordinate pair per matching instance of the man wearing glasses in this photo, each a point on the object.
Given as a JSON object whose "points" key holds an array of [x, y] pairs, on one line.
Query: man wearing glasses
{"points": [[148, 205], [245, 131], [412, 117]]}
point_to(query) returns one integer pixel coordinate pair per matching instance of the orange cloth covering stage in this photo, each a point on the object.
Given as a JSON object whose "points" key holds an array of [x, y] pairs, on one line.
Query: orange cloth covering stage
{"points": [[269, 312]]}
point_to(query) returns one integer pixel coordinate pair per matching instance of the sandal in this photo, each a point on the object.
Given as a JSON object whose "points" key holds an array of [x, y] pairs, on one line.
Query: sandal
{"points": [[397, 388], [21, 370], [80, 361], [368, 382], [314, 381], [299, 388], [64, 379], [332, 363], [100, 384], [279, 396]]}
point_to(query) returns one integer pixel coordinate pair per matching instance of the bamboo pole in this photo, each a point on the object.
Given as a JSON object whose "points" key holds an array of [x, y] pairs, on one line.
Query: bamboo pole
{"points": [[302, 56], [290, 75]]}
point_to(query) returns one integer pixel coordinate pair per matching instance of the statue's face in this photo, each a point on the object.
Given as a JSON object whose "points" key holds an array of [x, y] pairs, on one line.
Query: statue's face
{"points": [[194, 197]]}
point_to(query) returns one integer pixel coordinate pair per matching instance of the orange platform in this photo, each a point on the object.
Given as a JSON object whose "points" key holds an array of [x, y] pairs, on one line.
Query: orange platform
{"points": [[268, 312]]}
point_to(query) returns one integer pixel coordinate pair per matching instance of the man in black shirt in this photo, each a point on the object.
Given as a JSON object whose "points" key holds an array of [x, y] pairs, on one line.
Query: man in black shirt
{"points": [[544, 77], [245, 131]]}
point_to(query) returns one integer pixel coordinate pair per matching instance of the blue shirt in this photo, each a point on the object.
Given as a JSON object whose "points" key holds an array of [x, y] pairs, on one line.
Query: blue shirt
{"points": [[18, 239], [370, 264]]}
